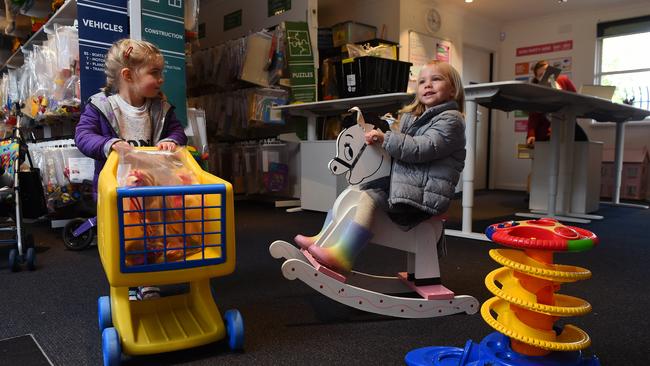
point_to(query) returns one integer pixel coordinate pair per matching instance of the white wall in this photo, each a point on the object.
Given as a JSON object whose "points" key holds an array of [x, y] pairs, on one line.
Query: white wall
{"points": [[457, 26], [580, 27]]}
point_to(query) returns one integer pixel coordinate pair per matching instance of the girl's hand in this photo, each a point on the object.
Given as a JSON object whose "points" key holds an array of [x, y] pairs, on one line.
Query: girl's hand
{"points": [[121, 146], [166, 145], [374, 136]]}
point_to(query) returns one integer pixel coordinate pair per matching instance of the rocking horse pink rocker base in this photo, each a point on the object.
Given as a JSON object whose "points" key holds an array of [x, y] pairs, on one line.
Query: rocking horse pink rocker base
{"points": [[363, 291]]}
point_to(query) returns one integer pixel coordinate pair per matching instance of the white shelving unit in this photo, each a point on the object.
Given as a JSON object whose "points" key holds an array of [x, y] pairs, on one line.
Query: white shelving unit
{"points": [[318, 186], [65, 15]]}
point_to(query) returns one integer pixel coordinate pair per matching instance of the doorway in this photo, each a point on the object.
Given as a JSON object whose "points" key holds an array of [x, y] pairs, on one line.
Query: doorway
{"points": [[477, 69]]}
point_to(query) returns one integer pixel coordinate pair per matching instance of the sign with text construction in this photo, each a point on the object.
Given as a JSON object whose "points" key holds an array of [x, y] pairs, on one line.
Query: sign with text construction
{"points": [[101, 22], [163, 24]]}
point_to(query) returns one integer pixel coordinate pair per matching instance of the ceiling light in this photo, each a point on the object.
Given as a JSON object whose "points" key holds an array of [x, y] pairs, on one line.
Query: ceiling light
{"points": [[469, 1], [562, 1]]}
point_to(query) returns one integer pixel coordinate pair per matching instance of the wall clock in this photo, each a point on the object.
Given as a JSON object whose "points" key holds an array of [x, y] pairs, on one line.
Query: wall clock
{"points": [[432, 20]]}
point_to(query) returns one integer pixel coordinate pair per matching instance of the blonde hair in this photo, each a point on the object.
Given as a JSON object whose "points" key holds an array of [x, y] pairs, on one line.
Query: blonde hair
{"points": [[127, 53], [416, 108]]}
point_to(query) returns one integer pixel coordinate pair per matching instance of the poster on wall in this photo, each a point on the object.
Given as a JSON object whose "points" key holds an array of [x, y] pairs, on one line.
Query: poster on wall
{"points": [[521, 125], [443, 51], [163, 24], [422, 49], [524, 70], [521, 121], [545, 48], [100, 22]]}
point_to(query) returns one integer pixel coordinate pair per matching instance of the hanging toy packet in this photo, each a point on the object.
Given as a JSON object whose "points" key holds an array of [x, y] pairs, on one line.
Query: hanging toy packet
{"points": [[159, 228]]}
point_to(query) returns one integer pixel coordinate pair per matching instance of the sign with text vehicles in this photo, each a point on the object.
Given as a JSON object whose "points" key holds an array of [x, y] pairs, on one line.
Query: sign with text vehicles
{"points": [[100, 22]]}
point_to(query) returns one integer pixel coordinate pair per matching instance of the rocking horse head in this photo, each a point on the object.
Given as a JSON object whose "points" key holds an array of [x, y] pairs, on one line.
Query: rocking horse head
{"points": [[361, 162]]}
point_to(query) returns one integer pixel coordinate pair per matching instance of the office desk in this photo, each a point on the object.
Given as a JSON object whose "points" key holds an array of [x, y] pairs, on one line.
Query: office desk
{"points": [[515, 95]]}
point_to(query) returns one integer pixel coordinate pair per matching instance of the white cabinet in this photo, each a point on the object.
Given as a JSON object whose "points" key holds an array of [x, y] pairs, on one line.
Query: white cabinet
{"points": [[318, 186], [585, 180]]}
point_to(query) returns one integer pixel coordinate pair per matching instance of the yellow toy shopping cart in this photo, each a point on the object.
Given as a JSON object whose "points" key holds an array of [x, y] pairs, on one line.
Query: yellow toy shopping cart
{"points": [[189, 242]]}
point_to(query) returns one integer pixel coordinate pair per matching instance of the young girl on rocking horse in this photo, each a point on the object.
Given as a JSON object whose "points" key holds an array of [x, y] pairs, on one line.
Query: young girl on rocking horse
{"points": [[428, 155]]}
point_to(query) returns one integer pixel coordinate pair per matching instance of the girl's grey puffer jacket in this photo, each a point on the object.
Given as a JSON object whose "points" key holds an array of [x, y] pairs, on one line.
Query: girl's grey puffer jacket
{"points": [[428, 157]]}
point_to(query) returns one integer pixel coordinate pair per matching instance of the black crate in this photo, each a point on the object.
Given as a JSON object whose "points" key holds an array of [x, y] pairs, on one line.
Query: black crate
{"points": [[369, 75]]}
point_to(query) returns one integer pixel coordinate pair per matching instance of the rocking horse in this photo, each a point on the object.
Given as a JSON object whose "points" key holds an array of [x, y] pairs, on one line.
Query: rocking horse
{"points": [[363, 163]]}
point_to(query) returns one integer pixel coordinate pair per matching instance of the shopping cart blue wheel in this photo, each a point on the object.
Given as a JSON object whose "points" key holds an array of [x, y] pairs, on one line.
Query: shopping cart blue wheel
{"points": [[234, 329], [111, 350], [30, 258], [13, 260], [104, 313]]}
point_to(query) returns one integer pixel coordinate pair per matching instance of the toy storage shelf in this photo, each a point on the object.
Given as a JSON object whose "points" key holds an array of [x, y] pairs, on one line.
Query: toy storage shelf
{"points": [[65, 15], [318, 186]]}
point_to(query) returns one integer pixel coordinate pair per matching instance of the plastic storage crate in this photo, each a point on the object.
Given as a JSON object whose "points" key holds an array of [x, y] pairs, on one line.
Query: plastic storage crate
{"points": [[372, 75]]}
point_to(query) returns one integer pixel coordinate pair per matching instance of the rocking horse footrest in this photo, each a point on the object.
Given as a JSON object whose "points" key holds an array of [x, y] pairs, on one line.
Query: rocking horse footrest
{"points": [[429, 292], [322, 269]]}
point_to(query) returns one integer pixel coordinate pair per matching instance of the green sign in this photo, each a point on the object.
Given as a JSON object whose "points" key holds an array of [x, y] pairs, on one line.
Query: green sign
{"points": [[232, 20], [276, 7], [163, 24], [301, 62], [521, 114]]}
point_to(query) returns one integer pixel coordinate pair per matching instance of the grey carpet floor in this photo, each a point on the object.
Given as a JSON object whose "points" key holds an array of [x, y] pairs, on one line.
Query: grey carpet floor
{"points": [[287, 323]]}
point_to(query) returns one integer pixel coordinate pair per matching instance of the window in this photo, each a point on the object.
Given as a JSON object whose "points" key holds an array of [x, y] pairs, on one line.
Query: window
{"points": [[623, 60], [632, 172]]}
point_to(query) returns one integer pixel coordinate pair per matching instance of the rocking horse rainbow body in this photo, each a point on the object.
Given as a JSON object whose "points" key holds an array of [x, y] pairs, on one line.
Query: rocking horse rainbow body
{"points": [[363, 163]]}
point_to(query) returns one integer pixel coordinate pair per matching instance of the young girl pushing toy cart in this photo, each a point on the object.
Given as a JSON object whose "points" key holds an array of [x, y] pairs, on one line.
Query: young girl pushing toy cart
{"points": [[131, 111], [150, 229]]}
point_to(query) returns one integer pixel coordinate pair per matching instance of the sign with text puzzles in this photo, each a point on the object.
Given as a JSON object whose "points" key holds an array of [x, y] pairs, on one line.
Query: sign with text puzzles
{"points": [[301, 62]]}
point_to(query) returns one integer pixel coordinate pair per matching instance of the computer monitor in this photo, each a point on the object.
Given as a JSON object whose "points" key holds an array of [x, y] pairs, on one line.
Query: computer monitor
{"points": [[600, 91], [550, 75]]}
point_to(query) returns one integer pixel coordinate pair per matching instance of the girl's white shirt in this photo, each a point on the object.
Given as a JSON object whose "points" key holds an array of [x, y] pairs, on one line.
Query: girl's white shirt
{"points": [[135, 122]]}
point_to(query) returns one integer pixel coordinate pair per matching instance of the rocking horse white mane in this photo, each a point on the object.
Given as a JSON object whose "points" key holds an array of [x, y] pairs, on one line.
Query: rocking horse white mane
{"points": [[360, 161]]}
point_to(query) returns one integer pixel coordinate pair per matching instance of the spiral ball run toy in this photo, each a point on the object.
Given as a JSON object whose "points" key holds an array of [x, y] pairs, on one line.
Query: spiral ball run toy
{"points": [[526, 303]]}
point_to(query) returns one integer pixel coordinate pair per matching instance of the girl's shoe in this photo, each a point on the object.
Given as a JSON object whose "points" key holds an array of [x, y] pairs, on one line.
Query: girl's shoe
{"points": [[148, 292], [304, 242], [341, 255], [133, 295]]}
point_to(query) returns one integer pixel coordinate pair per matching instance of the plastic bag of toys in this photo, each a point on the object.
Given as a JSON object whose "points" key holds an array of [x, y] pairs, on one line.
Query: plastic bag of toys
{"points": [[172, 223]]}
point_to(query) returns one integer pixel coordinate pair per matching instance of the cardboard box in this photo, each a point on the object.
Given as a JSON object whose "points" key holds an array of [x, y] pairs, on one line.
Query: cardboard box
{"points": [[352, 32]]}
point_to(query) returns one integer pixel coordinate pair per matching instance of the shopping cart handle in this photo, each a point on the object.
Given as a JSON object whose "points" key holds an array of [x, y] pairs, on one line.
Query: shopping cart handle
{"points": [[171, 190]]}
